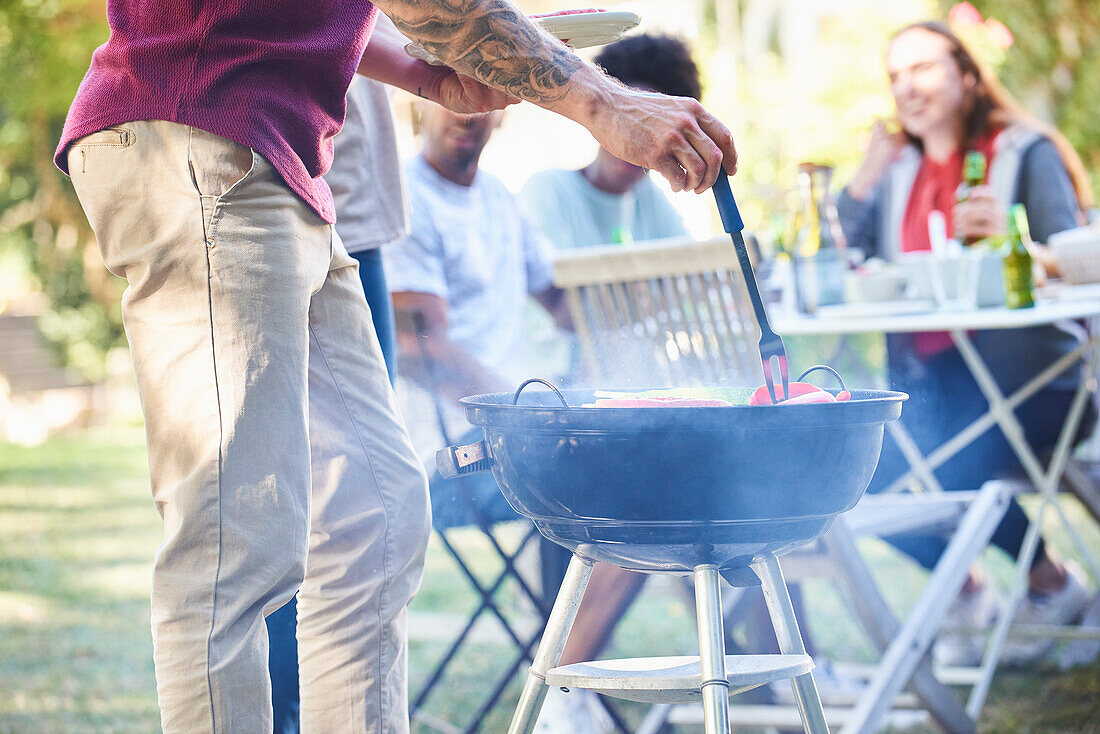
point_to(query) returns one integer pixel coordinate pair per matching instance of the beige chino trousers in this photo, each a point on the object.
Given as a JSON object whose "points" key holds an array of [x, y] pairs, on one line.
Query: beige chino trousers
{"points": [[277, 454]]}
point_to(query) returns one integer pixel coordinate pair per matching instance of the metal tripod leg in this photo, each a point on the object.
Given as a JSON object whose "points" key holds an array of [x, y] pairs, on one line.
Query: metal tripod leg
{"points": [[790, 642], [553, 642], [712, 654]]}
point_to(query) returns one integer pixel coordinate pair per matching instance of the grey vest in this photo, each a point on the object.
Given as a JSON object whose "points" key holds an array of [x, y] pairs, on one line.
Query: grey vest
{"points": [[1004, 173]]}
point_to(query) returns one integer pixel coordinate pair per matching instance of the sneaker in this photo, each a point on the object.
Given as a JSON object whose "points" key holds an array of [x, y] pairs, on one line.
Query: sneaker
{"points": [[577, 711], [978, 610], [1061, 607], [834, 687]]}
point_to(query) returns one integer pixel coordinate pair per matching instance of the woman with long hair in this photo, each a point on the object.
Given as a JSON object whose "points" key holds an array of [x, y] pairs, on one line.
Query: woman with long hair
{"points": [[949, 104]]}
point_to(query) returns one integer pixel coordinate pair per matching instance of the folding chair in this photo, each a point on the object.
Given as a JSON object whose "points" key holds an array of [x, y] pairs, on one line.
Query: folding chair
{"points": [[470, 502], [675, 313], [1040, 479]]}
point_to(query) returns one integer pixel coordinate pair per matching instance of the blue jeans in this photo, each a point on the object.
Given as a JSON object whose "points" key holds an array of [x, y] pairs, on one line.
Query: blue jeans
{"points": [[281, 625], [944, 398]]}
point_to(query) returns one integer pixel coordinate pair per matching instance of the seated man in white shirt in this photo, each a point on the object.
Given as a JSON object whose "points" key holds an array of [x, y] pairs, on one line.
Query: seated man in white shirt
{"points": [[464, 274], [469, 262]]}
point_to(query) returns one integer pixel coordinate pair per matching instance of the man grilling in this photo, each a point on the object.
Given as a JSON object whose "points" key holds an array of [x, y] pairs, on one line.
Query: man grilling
{"points": [[278, 459]]}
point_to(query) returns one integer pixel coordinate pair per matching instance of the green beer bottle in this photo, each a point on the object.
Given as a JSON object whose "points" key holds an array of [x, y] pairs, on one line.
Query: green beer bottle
{"points": [[1019, 289], [621, 236], [973, 175]]}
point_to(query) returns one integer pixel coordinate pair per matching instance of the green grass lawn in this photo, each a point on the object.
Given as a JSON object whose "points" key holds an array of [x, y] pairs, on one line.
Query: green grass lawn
{"points": [[77, 534]]}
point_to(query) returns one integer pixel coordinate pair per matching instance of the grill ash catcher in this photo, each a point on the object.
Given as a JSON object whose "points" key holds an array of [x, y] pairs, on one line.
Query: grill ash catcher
{"points": [[712, 492]]}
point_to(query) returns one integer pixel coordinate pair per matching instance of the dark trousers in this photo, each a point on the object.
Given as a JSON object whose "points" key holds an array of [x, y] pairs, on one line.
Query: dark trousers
{"points": [[282, 624], [944, 398]]}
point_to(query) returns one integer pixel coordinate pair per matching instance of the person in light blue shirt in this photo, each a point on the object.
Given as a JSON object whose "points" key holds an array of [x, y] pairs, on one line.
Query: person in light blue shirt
{"points": [[610, 201], [575, 212]]}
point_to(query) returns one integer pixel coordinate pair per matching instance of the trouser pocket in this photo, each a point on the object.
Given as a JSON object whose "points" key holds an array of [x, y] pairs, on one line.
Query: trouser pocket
{"points": [[219, 167], [105, 139], [102, 166]]}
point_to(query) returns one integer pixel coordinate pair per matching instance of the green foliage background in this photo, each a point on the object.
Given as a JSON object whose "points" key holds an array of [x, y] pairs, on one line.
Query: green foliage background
{"points": [[45, 46], [780, 116], [1053, 67]]}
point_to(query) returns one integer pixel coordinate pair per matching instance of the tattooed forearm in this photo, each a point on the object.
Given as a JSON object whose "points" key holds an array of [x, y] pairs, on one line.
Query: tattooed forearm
{"points": [[490, 41]]}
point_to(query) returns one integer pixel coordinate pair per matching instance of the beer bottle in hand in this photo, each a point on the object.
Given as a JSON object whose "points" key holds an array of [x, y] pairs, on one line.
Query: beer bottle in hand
{"points": [[973, 175], [1019, 289]]}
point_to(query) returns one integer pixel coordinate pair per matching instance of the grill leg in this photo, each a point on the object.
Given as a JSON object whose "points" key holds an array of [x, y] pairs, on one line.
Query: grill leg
{"points": [[712, 654], [790, 642], [551, 646]]}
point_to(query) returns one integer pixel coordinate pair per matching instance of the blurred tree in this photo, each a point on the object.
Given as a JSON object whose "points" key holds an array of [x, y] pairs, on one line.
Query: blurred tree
{"points": [[45, 46], [1053, 67]]}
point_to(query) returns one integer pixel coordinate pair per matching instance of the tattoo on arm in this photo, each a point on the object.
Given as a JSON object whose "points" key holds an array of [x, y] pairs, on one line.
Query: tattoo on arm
{"points": [[490, 41]]}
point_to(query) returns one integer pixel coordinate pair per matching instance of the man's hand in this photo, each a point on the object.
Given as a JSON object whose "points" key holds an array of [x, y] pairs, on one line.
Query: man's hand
{"points": [[980, 216], [429, 356], [463, 95], [495, 43], [674, 136]]}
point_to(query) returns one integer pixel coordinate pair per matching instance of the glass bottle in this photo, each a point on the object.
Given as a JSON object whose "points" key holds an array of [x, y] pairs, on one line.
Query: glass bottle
{"points": [[820, 265], [809, 214], [819, 216], [1019, 286], [973, 175]]}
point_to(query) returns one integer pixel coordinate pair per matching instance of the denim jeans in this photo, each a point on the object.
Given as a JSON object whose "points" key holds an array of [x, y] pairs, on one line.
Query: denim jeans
{"points": [[282, 623], [278, 458], [944, 398]]}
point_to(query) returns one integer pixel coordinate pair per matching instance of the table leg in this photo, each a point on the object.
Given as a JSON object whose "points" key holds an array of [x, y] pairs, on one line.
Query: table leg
{"points": [[970, 433], [917, 462], [1045, 481], [996, 643]]}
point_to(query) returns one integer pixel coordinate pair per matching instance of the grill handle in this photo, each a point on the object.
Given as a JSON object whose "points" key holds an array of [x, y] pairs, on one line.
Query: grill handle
{"points": [[457, 461]]}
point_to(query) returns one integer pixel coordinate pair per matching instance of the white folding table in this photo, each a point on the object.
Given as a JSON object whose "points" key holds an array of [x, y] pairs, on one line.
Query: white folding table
{"points": [[1000, 414]]}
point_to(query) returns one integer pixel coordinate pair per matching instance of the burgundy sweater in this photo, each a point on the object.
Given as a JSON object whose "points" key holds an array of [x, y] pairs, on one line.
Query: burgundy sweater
{"points": [[269, 74]]}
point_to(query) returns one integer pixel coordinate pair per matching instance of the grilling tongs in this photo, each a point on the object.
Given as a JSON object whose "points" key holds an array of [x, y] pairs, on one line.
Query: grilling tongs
{"points": [[772, 353]]}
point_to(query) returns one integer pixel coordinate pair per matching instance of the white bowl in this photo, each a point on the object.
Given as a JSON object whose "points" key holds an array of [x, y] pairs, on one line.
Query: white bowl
{"points": [[990, 277], [1078, 253], [886, 285]]}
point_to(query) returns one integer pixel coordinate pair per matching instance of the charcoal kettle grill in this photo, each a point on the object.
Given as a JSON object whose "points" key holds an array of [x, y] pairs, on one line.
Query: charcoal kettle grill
{"points": [[716, 492]]}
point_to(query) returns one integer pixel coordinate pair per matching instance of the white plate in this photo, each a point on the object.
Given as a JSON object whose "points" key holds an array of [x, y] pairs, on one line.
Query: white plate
{"points": [[579, 30], [875, 308]]}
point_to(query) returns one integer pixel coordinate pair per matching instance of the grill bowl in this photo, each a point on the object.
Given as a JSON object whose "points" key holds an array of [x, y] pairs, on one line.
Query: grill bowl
{"points": [[666, 489]]}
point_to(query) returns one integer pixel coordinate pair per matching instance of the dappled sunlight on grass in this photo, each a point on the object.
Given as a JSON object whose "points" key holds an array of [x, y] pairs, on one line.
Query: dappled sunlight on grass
{"points": [[21, 608], [77, 533]]}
